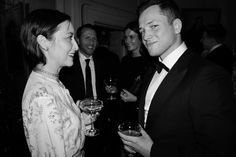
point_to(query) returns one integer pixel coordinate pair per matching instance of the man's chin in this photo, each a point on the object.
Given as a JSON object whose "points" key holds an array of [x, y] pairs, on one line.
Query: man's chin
{"points": [[69, 64], [151, 52], [89, 52]]}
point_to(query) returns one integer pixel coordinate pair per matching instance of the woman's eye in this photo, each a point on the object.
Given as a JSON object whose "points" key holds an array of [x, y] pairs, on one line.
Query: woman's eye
{"points": [[131, 37], [70, 37]]}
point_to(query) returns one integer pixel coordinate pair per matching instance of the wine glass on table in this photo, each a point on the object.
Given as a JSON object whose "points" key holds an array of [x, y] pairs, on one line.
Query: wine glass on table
{"points": [[130, 129], [91, 106], [111, 88]]}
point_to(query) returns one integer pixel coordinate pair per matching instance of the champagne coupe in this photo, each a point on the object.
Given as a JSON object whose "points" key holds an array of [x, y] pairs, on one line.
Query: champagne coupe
{"points": [[111, 88], [130, 129], [91, 106]]}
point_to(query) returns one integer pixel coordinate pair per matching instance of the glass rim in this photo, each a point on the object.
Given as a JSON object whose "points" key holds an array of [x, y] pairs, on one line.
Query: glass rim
{"points": [[136, 124], [91, 99]]}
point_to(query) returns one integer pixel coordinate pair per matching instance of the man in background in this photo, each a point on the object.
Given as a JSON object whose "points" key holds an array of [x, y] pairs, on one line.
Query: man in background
{"points": [[214, 48], [80, 87]]}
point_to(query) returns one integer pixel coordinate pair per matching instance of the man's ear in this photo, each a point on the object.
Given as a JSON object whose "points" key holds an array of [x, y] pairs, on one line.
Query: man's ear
{"points": [[43, 42], [177, 23]]}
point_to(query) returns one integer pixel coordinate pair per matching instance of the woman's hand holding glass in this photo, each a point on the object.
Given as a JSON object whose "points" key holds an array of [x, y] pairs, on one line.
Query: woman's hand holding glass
{"points": [[126, 96], [90, 108], [87, 118], [111, 88]]}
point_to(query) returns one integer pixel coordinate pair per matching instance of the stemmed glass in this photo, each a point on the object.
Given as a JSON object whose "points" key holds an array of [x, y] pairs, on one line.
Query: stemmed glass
{"points": [[130, 129], [91, 106], [111, 88]]}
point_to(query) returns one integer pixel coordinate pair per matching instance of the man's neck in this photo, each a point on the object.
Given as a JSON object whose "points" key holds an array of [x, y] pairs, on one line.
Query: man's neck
{"points": [[83, 55]]}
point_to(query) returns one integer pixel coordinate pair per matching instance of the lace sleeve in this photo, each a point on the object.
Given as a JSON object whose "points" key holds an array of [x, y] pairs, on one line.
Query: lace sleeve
{"points": [[44, 126]]}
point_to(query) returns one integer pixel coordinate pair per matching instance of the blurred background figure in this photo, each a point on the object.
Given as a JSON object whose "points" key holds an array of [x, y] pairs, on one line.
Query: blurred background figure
{"points": [[133, 66], [214, 48], [193, 36], [111, 60]]}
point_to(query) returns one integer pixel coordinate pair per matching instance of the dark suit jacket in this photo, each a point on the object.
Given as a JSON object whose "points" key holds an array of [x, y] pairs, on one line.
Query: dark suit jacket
{"points": [[223, 57], [72, 78], [192, 112]]}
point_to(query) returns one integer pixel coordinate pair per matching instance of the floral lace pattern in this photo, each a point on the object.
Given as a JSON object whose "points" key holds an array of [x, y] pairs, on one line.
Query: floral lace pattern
{"points": [[53, 124]]}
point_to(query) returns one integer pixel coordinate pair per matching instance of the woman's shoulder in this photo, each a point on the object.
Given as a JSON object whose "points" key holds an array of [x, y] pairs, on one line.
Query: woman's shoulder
{"points": [[38, 88]]}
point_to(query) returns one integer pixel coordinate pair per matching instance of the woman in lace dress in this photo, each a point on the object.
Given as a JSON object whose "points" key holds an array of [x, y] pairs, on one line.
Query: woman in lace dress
{"points": [[53, 124]]}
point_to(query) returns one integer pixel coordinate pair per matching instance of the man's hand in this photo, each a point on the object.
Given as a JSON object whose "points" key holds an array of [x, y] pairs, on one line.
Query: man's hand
{"points": [[141, 144]]}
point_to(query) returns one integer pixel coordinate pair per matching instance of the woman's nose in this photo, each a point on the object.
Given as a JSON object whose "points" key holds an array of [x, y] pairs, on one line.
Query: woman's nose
{"points": [[75, 45]]}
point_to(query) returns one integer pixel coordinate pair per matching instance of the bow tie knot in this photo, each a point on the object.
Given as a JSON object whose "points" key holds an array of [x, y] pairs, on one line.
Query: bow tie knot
{"points": [[159, 66]]}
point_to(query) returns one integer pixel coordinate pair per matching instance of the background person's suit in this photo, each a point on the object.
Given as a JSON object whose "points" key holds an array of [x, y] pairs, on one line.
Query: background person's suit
{"points": [[222, 56], [72, 78], [192, 111]]}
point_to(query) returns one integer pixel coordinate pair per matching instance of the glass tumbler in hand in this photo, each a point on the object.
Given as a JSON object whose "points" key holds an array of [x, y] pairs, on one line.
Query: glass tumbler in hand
{"points": [[91, 106], [111, 88], [130, 129]]}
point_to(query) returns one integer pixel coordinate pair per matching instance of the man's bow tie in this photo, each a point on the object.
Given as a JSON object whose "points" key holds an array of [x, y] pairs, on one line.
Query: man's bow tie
{"points": [[159, 66]]}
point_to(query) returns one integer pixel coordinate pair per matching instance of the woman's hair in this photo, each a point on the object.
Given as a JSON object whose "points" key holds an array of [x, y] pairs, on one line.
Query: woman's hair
{"points": [[39, 22], [134, 26]]}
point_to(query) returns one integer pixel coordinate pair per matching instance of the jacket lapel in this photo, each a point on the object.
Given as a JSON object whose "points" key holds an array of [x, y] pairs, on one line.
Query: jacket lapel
{"points": [[145, 83], [168, 87], [79, 73]]}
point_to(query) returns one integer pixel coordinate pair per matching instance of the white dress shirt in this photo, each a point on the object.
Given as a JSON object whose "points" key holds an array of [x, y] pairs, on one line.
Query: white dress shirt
{"points": [[82, 59], [157, 78]]}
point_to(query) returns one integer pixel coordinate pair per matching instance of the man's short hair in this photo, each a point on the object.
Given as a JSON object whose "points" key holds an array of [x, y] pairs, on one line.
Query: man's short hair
{"points": [[81, 28], [168, 7]]}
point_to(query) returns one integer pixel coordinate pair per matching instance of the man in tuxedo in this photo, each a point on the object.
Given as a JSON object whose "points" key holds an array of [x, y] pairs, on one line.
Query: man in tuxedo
{"points": [[187, 107], [76, 81], [214, 48]]}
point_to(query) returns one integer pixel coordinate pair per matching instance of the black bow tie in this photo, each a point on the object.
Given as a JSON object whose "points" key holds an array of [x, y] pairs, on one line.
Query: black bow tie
{"points": [[159, 66]]}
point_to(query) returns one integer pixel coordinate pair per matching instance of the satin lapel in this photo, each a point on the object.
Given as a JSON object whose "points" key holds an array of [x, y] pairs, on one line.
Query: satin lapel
{"points": [[145, 83], [168, 86]]}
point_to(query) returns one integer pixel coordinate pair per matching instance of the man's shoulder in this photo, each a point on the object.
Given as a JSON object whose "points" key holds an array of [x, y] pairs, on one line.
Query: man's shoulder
{"points": [[196, 63], [201, 66]]}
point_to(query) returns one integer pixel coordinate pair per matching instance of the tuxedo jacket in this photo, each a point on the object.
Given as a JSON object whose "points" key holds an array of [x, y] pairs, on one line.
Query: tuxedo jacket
{"points": [[73, 79], [223, 57], [192, 112]]}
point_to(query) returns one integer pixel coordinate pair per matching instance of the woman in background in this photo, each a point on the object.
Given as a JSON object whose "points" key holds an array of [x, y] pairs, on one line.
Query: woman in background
{"points": [[133, 66], [53, 124]]}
